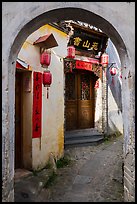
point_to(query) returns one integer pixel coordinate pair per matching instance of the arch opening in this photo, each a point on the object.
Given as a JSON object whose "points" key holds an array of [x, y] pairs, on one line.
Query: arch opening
{"points": [[54, 16]]}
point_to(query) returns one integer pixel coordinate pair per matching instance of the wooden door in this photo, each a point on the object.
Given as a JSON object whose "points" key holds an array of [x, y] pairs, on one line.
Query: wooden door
{"points": [[79, 98], [71, 101], [85, 100], [18, 130]]}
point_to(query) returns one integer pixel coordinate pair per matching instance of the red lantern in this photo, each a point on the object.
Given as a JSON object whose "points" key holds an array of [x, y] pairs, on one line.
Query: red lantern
{"points": [[47, 80], [104, 59], [45, 58], [71, 52], [113, 71]]}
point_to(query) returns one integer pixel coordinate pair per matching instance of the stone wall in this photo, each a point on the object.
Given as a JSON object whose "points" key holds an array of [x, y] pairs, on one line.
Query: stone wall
{"points": [[114, 90], [104, 102], [20, 19]]}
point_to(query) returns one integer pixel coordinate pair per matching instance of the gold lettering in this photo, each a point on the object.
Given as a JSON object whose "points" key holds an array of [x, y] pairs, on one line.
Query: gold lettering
{"points": [[86, 44], [94, 46], [77, 41]]}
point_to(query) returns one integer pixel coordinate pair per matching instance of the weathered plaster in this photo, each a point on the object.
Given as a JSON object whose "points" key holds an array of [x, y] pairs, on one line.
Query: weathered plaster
{"points": [[52, 138], [117, 19]]}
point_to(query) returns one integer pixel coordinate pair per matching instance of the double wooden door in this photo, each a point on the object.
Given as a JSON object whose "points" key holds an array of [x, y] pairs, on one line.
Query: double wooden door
{"points": [[79, 99]]}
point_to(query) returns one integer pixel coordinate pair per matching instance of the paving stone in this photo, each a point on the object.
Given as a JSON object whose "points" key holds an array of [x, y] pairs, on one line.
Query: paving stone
{"points": [[94, 175]]}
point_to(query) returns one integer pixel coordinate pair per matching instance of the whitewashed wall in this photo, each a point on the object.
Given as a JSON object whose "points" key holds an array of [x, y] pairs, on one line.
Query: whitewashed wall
{"points": [[52, 140], [117, 19]]}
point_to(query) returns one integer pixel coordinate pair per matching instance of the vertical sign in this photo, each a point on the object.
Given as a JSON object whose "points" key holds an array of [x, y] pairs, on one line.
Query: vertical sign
{"points": [[37, 104]]}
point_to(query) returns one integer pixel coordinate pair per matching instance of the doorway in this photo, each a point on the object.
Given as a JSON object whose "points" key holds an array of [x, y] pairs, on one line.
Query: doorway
{"points": [[18, 120], [79, 99], [23, 119]]}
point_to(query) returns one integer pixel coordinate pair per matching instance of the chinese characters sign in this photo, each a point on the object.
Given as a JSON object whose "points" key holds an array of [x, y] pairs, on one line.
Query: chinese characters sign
{"points": [[70, 65], [88, 42], [37, 104], [83, 65]]}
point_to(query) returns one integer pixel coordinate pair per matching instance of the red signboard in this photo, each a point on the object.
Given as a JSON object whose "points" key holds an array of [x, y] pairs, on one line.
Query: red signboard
{"points": [[37, 104], [83, 65]]}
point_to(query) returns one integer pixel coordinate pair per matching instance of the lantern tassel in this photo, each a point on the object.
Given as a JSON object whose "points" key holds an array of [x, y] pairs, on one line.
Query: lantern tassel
{"points": [[47, 92]]}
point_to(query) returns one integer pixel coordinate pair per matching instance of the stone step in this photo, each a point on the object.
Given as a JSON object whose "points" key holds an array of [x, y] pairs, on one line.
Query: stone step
{"points": [[84, 141], [73, 135], [83, 137], [82, 133], [82, 130]]}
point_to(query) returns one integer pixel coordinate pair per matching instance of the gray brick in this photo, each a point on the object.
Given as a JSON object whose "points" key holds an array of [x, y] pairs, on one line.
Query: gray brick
{"points": [[129, 186], [129, 171]]}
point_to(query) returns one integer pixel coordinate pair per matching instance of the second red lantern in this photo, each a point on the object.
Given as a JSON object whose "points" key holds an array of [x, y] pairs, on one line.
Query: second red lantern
{"points": [[47, 80]]}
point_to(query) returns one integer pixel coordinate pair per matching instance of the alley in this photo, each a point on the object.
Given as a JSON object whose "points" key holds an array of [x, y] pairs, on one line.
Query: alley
{"points": [[93, 175]]}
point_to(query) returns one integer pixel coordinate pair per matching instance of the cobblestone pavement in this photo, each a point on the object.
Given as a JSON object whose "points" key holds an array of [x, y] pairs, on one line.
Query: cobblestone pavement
{"points": [[94, 175]]}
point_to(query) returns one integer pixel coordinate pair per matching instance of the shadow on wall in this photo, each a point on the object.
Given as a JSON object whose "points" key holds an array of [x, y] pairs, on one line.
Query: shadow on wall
{"points": [[114, 82], [115, 87], [115, 128], [115, 123]]}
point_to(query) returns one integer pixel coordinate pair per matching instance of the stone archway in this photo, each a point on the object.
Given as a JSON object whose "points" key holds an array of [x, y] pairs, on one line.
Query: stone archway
{"points": [[40, 13]]}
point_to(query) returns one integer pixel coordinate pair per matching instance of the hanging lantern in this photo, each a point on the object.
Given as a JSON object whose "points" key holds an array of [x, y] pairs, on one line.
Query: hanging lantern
{"points": [[71, 52], [104, 59], [45, 58], [121, 76], [113, 71], [47, 80]]}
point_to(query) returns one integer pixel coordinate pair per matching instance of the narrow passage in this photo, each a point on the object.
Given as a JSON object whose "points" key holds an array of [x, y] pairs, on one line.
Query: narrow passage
{"points": [[93, 175]]}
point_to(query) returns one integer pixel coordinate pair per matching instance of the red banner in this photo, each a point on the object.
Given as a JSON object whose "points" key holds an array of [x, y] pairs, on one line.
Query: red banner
{"points": [[83, 65], [37, 104]]}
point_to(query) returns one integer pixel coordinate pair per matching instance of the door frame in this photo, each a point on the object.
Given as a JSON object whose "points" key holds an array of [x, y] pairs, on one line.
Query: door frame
{"points": [[26, 118], [18, 146], [78, 72]]}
